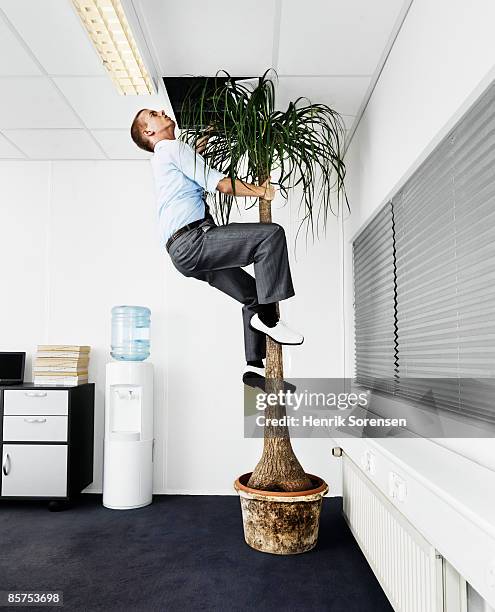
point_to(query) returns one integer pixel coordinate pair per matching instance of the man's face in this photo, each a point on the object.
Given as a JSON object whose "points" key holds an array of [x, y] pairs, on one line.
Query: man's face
{"points": [[156, 121]]}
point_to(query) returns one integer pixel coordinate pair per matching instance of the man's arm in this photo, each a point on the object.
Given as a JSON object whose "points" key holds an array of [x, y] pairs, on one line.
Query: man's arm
{"points": [[194, 167], [265, 191], [242, 189]]}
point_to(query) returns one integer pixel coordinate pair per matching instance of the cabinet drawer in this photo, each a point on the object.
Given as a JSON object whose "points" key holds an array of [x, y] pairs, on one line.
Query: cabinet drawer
{"points": [[35, 428], [30, 470], [35, 401]]}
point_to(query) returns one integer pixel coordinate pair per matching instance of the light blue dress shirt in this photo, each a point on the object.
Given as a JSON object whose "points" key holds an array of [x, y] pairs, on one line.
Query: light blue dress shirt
{"points": [[181, 176]]}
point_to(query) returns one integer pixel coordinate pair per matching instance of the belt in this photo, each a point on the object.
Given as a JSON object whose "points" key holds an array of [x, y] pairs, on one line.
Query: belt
{"points": [[182, 230]]}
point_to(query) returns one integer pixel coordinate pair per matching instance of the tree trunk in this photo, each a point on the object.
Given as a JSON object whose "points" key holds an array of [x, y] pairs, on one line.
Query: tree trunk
{"points": [[278, 469]]}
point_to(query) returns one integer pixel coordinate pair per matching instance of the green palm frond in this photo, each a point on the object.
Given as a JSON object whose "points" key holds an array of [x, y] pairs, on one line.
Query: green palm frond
{"points": [[250, 140]]}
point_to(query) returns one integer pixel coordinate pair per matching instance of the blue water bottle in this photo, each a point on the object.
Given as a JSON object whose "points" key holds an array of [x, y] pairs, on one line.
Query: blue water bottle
{"points": [[130, 333]]}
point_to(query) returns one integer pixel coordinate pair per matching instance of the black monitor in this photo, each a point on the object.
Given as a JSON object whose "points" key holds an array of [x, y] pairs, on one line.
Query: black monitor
{"points": [[12, 368]]}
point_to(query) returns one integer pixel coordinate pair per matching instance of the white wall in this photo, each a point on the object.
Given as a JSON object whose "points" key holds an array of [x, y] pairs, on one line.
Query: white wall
{"points": [[87, 236], [24, 202], [442, 59]]}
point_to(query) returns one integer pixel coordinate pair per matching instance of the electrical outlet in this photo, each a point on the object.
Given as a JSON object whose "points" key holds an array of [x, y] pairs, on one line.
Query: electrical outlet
{"points": [[490, 575], [397, 488], [368, 462]]}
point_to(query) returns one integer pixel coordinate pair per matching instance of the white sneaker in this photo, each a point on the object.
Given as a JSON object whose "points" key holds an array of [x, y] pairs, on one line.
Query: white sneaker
{"points": [[281, 333], [248, 369], [254, 377]]}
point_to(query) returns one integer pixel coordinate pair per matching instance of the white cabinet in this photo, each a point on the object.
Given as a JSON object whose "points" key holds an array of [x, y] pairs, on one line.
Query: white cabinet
{"points": [[46, 442], [32, 470]]}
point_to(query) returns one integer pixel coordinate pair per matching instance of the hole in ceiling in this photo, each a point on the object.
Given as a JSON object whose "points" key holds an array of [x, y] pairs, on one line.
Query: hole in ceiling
{"points": [[178, 88]]}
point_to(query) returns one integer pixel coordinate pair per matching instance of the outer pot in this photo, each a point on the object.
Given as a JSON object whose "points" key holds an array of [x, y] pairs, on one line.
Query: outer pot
{"points": [[281, 523]]}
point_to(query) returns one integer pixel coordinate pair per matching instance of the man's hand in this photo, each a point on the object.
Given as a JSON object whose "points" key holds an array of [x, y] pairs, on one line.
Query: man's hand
{"points": [[201, 144], [203, 140], [267, 190]]}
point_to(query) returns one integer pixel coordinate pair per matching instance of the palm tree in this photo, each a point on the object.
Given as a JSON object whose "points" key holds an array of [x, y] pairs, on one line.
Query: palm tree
{"points": [[248, 140]]}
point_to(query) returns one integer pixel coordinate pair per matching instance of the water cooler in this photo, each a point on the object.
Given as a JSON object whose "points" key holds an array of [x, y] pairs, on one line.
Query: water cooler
{"points": [[128, 444]]}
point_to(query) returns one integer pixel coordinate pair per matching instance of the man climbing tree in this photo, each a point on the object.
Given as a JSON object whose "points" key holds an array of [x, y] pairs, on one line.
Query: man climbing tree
{"points": [[216, 254]]}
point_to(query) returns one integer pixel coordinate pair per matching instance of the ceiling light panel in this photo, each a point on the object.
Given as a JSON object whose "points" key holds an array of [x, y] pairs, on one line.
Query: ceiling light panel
{"points": [[109, 30]]}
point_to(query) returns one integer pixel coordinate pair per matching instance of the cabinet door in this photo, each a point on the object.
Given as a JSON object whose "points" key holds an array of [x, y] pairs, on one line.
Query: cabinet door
{"points": [[34, 470]]}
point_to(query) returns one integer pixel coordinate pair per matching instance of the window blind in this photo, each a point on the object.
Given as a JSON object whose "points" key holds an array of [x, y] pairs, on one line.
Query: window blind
{"points": [[427, 319], [374, 302], [473, 144]]}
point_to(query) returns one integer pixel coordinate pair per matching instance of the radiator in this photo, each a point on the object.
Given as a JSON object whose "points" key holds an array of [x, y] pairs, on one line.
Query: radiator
{"points": [[406, 565]]}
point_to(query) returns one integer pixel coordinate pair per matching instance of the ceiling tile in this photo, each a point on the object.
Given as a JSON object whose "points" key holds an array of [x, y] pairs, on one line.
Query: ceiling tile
{"points": [[200, 38], [8, 151], [14, 59], [54, 33], [97, 102], [343, 94], [335, 37], [33, 102], [56, 144], [117, 144]]}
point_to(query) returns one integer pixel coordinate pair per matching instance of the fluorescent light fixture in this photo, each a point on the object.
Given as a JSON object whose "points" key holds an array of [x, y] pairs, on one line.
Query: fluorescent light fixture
{"points": [[108, 28]]}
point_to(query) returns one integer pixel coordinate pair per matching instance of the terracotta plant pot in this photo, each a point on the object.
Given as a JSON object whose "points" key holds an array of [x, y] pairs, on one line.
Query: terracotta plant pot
{"points": [[281, 523]]}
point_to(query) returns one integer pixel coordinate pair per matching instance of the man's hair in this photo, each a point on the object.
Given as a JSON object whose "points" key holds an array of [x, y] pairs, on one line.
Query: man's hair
{"points": [[137, 133]]}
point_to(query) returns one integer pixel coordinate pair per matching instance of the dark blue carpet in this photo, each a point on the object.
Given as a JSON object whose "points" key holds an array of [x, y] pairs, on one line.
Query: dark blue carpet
{"points": [[182, 553]]}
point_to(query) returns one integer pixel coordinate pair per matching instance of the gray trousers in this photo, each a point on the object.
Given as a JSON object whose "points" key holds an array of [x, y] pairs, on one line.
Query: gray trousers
{"points": [[217, 254]]}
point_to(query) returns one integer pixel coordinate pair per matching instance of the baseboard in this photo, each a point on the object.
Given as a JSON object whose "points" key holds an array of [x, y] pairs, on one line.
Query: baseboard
{"points": [[223, 492]]}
